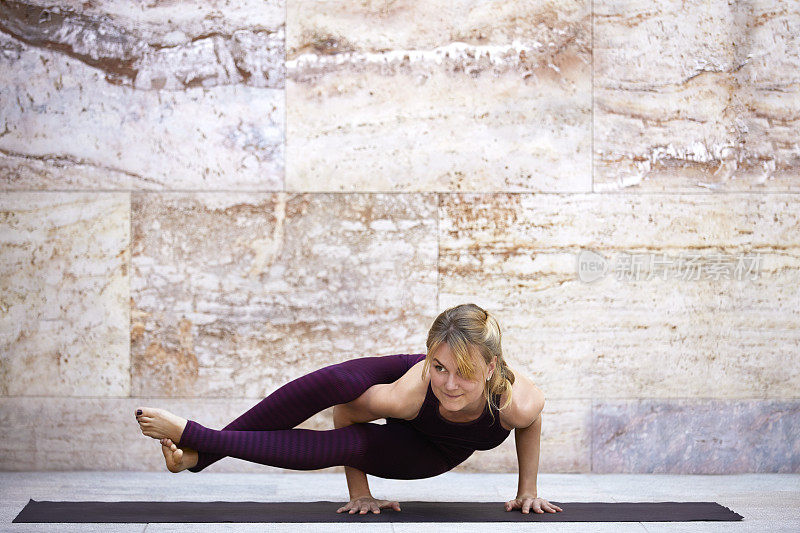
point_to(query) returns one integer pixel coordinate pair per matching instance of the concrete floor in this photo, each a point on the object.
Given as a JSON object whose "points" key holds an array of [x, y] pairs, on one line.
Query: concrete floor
{"points": [[769, 502]]}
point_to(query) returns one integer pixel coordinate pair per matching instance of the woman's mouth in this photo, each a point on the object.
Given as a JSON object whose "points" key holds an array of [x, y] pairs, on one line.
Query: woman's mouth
{"points": [[451, 396]]}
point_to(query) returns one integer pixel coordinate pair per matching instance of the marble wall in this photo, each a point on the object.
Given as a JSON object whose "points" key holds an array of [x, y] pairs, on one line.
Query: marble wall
{"points": [[201, 200]]}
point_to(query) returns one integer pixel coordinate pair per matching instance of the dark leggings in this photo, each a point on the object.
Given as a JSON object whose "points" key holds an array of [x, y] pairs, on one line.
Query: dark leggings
{"points": [[265, 433]]}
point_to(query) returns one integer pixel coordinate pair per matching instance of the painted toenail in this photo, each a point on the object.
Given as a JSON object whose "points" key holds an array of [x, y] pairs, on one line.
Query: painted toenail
{"points": [[138, 412]]}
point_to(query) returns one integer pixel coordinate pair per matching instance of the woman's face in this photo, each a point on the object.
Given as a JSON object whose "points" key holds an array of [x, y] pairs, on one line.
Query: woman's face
{"points": [[454, 391]]}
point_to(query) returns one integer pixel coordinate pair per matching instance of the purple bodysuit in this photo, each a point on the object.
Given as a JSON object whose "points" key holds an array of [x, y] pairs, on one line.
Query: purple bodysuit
{"points": [[426, 446]]}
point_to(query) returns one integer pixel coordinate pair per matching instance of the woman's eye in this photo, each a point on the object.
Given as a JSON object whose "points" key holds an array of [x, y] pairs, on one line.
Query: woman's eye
{"points": [[439, 367]]}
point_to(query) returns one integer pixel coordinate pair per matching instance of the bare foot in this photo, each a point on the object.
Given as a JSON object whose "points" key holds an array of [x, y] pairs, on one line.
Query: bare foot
{"points": [[160, 423], [178, 459]]}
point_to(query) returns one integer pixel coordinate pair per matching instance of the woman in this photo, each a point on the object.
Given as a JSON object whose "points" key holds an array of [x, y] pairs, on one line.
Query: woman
{"points": [[439, 407]]}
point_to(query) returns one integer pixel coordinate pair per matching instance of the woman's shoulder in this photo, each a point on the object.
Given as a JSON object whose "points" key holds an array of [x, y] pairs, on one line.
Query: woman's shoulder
{"points": [[410, 390], [527, 401]]}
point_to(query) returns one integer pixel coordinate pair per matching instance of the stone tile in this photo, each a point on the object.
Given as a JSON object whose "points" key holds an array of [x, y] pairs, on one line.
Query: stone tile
{"points": [[159, 45], [234, 295], [53, 433], [64, 294], [628, 338], [697, 437], [18, 417], [696, 96], [438, 96], [126, 100]]}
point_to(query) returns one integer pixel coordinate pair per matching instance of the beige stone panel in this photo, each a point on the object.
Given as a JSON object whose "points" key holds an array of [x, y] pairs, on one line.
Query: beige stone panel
{"points": [[58, 438], [62, 116], [234, 295], [413, 97], [615, 338], [159, 46], [564, 446], [190, 17], [696, 103], [329, 27], [64, 299], [359, 131], [19, 416], [56, 435]]}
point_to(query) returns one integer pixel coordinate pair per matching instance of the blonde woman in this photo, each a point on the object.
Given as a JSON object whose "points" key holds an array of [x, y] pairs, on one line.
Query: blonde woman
{"points": [[439, 407]]}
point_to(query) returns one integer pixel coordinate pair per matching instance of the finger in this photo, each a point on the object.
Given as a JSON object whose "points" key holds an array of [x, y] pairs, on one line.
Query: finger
{"points": [[396, 506], [375, 508], [537, 507], [526, 507], [364, 509]]}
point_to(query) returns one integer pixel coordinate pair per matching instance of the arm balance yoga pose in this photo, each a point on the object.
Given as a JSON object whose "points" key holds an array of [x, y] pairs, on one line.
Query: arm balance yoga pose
{"points": [[465, 377]]}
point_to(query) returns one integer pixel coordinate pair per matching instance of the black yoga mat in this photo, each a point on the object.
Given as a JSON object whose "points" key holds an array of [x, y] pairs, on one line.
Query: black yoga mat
{"points": [[325, 511]]}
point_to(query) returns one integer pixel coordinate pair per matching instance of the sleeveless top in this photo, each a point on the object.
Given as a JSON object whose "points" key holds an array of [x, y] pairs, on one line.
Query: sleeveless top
{"points": [[482, 433]]}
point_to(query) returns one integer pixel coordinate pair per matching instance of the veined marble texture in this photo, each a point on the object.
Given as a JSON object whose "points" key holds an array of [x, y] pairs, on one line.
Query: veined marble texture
{"points": [[202, 200], [665, 337], [201, 44], [64, 306], [233, 295], [696, 95], [116, 95], [663, 374], [436, 96], [703, 437]]}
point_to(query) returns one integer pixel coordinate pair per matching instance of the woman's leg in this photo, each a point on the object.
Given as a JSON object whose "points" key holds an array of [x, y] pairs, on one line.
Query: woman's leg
{"points": [[300, 399], [393, 450]]}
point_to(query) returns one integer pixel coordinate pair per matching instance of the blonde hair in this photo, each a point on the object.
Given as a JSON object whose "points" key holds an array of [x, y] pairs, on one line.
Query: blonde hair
{"points": [[467, 328]]}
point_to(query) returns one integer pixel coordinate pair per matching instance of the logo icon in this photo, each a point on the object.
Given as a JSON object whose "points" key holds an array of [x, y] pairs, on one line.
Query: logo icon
{"points": [[591, 266]]}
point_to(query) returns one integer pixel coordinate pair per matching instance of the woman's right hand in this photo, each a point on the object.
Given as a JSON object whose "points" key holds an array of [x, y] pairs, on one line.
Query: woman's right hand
{"points": [[365, 504]]}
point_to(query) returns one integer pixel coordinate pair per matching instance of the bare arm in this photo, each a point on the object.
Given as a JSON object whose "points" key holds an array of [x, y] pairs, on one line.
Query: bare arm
{"points": [[357, 482], [527, 441], [400, 399], [527, 436]]}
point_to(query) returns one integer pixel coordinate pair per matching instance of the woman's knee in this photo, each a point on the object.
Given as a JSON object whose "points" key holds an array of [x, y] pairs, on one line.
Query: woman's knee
{"points": [[335, 382]]}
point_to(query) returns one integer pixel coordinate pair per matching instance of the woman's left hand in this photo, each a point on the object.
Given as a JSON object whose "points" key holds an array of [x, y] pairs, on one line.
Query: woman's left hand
{"points": [[525, 502]]}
